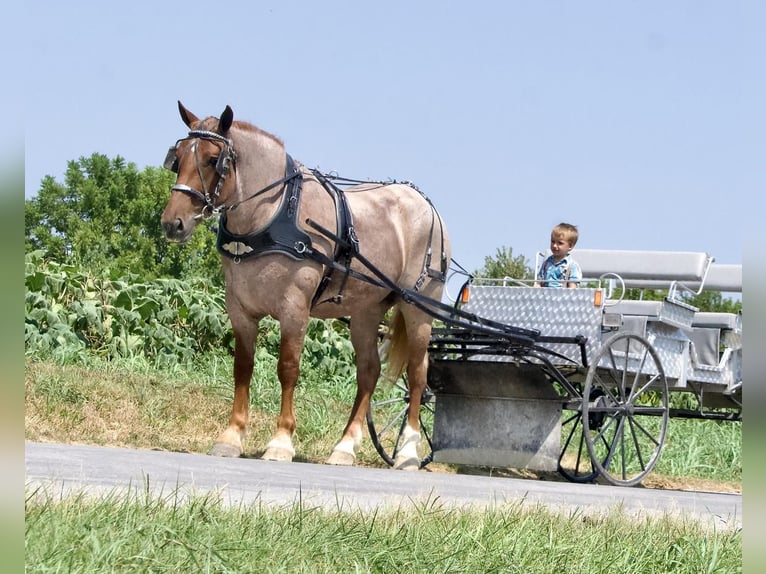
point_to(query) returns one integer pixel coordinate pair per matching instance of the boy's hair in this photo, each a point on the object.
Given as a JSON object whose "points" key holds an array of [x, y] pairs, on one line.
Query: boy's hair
{"points": [[568, 231]]}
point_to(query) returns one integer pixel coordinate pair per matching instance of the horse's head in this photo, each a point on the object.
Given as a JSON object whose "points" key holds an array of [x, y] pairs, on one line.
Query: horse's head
{"points": [[202, 160]]}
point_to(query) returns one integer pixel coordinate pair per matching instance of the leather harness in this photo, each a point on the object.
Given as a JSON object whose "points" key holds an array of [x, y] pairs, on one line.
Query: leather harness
{"points": [[283, 235]]}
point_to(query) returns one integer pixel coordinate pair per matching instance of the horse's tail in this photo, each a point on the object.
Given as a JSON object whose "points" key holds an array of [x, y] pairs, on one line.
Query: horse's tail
{"points": [[395, 347]]}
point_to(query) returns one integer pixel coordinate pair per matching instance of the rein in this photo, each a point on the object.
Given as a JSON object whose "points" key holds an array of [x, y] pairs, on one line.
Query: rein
{"points": [[449, 313]]}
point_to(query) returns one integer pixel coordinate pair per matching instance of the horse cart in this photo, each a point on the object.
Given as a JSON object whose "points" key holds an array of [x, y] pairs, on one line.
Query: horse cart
{"points": [[585, 382], [574, 380]]}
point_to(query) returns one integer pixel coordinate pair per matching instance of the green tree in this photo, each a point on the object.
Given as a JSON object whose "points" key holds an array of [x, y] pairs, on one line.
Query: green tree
{"points": [[504, 264], [106, 216], [715, 301]]}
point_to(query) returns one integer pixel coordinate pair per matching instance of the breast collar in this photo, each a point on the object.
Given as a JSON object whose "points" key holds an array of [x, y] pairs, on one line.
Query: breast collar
{"points": [[283, 234]]}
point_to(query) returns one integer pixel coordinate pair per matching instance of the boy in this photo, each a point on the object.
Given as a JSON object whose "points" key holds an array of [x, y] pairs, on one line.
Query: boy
{"points": [[559, 269]]}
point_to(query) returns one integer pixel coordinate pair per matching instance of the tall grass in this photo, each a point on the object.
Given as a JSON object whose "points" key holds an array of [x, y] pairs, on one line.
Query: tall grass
{"points": [[151, 533]]}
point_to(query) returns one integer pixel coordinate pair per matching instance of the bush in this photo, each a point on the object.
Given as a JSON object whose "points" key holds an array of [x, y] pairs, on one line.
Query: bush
{"points": [[69, 312]]}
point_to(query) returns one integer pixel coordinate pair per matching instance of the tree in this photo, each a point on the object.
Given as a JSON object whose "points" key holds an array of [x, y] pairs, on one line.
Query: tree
{"points": [[504, 264], [106, 216]]}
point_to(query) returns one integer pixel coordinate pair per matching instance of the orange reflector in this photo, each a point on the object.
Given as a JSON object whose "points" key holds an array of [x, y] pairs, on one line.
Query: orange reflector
{"points": [[598, 296], [464, 295]]}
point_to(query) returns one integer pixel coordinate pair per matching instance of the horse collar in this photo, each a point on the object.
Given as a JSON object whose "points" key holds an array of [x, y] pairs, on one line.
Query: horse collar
{"points": [[281, 235]]}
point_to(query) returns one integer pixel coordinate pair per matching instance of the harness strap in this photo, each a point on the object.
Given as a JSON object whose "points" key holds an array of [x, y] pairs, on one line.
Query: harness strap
{"points": [[451, 314], [344, 250]]}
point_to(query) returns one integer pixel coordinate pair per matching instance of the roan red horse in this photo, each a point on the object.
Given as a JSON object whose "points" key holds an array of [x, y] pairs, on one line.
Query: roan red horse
{"points": [[293, 246]]}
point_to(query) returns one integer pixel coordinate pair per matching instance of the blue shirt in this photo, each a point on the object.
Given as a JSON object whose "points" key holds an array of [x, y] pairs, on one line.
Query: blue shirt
{"points": [[553, 274]]}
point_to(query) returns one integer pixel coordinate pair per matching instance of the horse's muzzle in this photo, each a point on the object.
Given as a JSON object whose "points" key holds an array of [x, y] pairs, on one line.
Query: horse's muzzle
{"points": [[175, 230]]}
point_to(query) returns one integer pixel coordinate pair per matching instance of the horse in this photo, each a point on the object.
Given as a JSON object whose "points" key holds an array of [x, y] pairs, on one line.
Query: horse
{"points": [[294, 245]]}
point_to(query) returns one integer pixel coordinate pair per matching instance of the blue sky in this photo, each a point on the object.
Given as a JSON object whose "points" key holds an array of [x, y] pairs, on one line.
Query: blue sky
{"points": [[641, 122]]}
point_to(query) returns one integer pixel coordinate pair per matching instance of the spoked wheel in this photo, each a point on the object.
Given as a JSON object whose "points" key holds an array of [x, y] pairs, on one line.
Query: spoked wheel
{"points": [[625, 420], [387, 417], [575, 463]]}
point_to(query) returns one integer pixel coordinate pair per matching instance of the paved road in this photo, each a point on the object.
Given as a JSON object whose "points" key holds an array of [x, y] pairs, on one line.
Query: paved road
{"points": [[72, 468]]}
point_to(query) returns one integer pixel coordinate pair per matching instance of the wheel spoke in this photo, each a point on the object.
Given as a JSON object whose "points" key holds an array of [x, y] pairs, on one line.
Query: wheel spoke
{"points": [[574, 462], [396, 418], [639, 450]]}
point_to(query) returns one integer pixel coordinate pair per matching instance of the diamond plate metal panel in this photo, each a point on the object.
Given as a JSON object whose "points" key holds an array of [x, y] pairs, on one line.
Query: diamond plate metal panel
{"points": [[554, 312], [571, 312], [677, 313]]}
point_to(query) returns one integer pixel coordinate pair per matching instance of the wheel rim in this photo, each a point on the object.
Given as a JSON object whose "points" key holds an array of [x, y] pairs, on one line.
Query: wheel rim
{"points": [[625, 421]]}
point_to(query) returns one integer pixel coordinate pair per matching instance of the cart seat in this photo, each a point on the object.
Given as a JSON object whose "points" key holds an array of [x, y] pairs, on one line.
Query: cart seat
{"points": [[671, 311], [731, 321], [644, 265]]}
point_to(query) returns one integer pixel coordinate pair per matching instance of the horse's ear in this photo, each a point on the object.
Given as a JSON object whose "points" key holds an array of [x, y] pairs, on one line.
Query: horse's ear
{"points": [[227, 117], [187, 117]]}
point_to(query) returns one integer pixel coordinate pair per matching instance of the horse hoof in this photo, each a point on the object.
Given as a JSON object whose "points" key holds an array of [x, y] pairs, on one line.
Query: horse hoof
{"points": [[407, 464], [278, 454], [341, 458], [225, 450]]}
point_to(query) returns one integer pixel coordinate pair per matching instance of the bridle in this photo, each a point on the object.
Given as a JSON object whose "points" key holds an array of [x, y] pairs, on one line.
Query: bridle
{"points": [[223, 163]]}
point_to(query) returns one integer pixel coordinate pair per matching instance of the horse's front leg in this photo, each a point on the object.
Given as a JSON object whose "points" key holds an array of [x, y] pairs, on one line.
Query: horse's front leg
{"points": [[229, 442], [280, 447]]}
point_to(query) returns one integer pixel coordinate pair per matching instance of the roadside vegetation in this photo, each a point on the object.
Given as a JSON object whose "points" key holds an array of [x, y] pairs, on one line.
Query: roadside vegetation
{"points": [[148, 364]]}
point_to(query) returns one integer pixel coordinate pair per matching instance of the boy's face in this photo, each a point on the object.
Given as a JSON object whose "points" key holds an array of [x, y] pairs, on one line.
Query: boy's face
{"points": [[560, 247]]}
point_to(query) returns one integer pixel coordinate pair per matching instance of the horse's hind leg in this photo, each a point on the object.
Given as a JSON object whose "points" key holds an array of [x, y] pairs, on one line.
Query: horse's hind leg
{"points": [[229, 442], [364, 338], [418, 330]]}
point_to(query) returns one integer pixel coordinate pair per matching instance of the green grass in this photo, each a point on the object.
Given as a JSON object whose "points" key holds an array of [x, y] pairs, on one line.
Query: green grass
{"points": [[149, 533], [132, 403]]}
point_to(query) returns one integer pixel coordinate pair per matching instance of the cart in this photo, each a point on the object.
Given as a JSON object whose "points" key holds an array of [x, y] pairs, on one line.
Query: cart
{"points": [[584, 382]]}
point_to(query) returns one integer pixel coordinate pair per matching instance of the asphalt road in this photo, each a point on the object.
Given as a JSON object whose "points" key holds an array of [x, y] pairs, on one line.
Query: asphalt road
{"points": [[62, 469]]}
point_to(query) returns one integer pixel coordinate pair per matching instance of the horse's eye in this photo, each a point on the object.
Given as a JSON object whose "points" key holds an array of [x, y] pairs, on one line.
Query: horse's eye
{"points": [[213, 161]]}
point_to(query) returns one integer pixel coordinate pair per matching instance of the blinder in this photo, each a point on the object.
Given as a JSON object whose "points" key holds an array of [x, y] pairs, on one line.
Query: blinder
{"points": [[223, 165], [171, 160]]}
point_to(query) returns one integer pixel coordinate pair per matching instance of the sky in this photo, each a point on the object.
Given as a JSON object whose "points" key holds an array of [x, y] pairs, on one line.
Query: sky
{"points": [[640, 122]]}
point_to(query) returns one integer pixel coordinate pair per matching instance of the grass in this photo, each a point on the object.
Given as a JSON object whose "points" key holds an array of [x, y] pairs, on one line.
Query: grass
{"points": [[149, 533]]}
